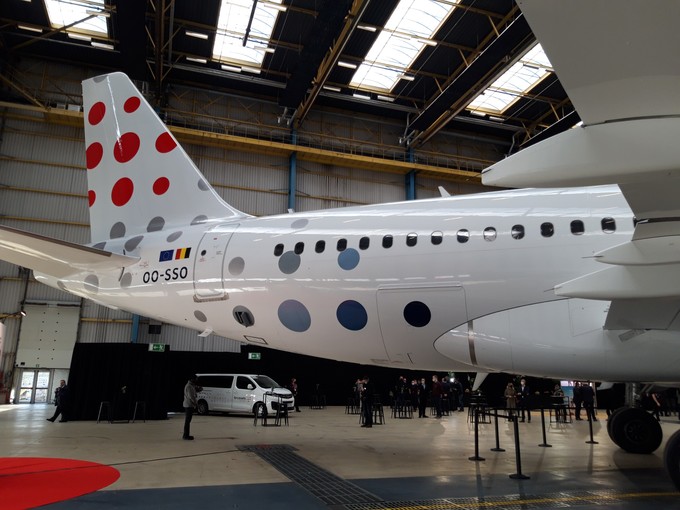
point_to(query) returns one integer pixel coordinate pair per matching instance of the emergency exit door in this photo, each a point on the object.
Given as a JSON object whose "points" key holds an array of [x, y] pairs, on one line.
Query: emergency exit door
{"points": [[209, 264]]}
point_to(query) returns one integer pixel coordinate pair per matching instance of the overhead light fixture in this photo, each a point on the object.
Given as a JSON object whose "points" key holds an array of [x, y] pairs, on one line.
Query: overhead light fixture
{"points": [[478, 113], [30, 29], [254, 70], [106, 14], [103, 46], [497, 119], [276, 6], [367, 28], [233, 69], [80, 37], [197, 35], [332, 89], [407, 77], [361, 96], [197, 60], [429, 42], [385, 98], [348, 65]]}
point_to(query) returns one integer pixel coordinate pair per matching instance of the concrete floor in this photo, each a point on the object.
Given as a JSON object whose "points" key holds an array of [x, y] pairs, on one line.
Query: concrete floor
{"points": [[405, 463]]}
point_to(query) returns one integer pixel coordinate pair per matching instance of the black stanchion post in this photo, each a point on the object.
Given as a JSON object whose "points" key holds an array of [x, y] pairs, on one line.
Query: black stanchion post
{"points": [[498, 445], [518, 456], [590, 426], [544, 444], [476, 455]]}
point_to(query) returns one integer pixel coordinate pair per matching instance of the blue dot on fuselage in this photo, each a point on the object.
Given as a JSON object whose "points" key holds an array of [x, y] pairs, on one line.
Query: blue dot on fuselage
{"points": [[417, 314], [348, 259], [352, 315], [294, 315]]}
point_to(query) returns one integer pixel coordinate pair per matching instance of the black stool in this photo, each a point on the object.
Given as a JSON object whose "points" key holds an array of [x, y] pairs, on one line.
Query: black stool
{"points": [[104, 406]]}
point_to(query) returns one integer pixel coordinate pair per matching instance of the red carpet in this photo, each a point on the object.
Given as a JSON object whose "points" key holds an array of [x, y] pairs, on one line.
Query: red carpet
{"points": [[28, 482]]}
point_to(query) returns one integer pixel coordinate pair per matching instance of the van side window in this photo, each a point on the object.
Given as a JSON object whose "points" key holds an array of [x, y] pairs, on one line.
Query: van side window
{"points": [[411, 239], [547, 229], [608, 225], [243, 382], [517, 231], [364, 243], [387, 241], [320, 246], [577, 227], [437, 237], [342, 244], [278, 250], [215, 381]]}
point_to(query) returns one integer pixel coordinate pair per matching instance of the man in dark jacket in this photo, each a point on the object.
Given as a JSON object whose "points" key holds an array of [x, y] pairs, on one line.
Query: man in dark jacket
{"points": [[61, 395], [367, 402]]}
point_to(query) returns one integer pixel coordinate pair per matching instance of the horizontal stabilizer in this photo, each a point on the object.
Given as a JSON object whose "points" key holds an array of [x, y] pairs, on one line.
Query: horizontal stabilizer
{"points": [[55, 257], [642, 314], [625, 282], [614, 153]]}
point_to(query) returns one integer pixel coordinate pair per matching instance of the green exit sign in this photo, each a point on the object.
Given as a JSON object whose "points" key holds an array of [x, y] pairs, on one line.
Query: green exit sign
{"points": [[157, 347], [254, 355]]}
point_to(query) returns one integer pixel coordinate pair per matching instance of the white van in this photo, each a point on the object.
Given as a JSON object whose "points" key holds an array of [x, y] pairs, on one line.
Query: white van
{"points": [[241, 393]]}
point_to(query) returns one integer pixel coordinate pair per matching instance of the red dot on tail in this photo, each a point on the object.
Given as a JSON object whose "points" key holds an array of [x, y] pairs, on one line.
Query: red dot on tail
{"points": [[91, 196], [165, 143], [126, 147], [93, 155], [96, 113], [122, 192], [161, 185], [131, 104]]}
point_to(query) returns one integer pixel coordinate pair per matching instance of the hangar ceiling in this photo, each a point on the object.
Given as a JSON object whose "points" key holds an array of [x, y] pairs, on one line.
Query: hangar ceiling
{"points": [[431, 64]]}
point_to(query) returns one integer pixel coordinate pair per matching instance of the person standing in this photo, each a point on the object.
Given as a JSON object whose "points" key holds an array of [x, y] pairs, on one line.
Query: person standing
{"points": [[458, 394], [190, 403], [437, 395], [422, 398], [294, 390], [367, 401], [524, 395], [578, 400], [61, 395], [510, 400], [588, 395]]}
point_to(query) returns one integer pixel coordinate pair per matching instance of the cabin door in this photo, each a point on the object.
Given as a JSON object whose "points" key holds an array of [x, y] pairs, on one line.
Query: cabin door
{"points": [[209, 264]]}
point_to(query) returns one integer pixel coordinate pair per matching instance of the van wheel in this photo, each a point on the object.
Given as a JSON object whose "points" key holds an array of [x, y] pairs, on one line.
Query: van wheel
{"points": [[202, 407], [259, 409]]}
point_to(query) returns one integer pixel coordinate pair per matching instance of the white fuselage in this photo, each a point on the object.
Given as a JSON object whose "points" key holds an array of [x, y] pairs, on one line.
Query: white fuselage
{"points": [[426, 300]]}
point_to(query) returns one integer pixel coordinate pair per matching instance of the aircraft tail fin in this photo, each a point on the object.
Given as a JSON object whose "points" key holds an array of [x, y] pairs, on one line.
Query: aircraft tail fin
{"points": [[139, 178]]}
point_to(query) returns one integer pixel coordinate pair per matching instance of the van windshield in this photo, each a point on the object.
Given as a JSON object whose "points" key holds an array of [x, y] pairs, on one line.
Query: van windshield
{"points": [[266, 382]]}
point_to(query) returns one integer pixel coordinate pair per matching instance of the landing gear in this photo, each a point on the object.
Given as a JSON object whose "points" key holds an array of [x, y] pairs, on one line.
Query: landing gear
{"points": [[671, 458], [635, 430]]}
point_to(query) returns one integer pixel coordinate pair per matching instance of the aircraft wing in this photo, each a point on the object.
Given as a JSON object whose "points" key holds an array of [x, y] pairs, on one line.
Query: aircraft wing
{"points": [[55, 257]]}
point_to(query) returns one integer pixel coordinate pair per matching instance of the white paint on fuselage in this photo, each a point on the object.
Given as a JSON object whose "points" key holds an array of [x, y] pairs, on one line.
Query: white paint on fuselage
{"points": [[458, 281]]}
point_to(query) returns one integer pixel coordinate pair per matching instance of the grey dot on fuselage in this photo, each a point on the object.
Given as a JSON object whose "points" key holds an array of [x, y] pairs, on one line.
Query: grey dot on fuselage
{"points": [[156, 224], [91, 283], [117, 230], [126, 280], [133, 242], [100, 246], [202, 185], [174, 236], [200, 316], [301, 223]]}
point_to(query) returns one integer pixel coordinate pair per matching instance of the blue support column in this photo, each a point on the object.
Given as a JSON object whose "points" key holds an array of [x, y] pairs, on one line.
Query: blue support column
{"points": [[134, 335], [292, 173], [410, 178]]}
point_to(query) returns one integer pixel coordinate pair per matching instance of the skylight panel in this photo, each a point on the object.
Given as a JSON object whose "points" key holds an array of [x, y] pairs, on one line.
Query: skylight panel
{"points": [[63, 13], [231, 29], [514, 83], [408, 30]]}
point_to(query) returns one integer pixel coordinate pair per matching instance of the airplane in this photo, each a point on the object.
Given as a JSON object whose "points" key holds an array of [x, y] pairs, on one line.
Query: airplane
{"points": [[575, 279]]}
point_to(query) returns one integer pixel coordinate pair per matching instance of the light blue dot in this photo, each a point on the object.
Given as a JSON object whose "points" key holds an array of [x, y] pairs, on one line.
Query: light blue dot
{"points": [[352, 315], [294, 315], [348, 259]]}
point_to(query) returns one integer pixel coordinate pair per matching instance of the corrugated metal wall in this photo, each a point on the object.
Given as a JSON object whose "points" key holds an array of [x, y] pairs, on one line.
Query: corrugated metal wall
{"points": [[43, 181]]}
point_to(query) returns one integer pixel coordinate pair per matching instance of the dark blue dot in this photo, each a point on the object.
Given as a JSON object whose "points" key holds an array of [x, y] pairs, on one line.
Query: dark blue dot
{"points": [[417, 314], [348, 259], [352, 315], [294, 315]]}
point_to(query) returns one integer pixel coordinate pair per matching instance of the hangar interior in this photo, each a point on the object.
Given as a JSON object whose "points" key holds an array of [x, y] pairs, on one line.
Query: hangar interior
{"points": [[283, 105]]}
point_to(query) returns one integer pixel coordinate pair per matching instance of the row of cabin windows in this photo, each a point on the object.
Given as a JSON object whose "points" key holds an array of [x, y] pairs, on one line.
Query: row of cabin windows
{"points": [[463, 236]]}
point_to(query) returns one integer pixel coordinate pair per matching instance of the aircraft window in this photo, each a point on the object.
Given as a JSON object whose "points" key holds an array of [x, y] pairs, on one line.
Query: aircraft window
{"points": [[320, 246], [243, 382], [608, 225], [363, 243], [411, 239], [489, 234], [463, 235], [517, 231], [342, 244], [547, 229], [278, 250], [577, 227], [436, 237], [299, 248], [387, 241]]}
